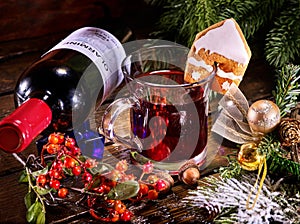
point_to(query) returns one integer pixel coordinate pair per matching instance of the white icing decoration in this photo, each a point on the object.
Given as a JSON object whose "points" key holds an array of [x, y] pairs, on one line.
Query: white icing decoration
{"points": [[200, 63], [196, 75], [228, 75], [226, 85], [224, 40]]}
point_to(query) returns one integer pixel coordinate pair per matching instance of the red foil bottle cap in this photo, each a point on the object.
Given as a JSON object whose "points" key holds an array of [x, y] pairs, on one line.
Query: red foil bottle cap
{"points": [[24, 124]]}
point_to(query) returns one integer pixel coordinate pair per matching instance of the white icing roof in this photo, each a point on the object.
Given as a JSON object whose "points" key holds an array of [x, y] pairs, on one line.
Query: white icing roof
{"points": [[224, 40]]}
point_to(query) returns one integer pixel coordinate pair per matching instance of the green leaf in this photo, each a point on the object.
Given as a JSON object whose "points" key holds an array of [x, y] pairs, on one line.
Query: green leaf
{"points": [[39, 172], [33, 212], [23, 177], [124, 190], [41, 190], [41, 219], [157, 165], [29, 198], [68, 171], [30, 213], [82, 158]]}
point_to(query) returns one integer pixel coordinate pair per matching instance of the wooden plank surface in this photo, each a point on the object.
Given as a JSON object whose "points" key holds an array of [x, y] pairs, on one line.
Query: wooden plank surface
{"points": [[12, 198]]}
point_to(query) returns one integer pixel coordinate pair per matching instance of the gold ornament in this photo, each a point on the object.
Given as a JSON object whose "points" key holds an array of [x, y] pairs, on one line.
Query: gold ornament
{"points": [[263, 116], [248, 157], [251, 160]]}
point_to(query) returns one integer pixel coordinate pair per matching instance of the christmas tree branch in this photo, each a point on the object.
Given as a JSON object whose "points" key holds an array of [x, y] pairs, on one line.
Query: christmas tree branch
{"points": [[225, 200], [287, 88], [283, 41]]}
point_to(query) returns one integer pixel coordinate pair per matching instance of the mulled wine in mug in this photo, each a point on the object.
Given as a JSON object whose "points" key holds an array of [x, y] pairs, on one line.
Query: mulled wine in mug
{"points": [[168, 117]]}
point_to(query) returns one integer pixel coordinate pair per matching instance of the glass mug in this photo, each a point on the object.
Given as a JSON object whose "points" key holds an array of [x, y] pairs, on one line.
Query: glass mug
{"points": [[168, 117]]}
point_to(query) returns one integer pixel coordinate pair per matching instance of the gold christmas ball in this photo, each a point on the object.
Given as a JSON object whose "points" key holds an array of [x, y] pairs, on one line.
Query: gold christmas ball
{"points": [[263, 116], [248, 157]]}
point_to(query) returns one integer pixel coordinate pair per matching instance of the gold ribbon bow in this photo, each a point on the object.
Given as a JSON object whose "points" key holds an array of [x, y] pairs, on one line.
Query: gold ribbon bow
{"points": [[232, 124]]}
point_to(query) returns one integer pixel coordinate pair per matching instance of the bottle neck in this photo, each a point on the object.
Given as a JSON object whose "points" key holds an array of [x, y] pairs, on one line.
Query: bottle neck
{"points": [[19, 128]]}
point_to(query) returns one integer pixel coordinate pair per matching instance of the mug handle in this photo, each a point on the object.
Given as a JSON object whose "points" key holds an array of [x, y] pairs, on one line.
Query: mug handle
{"points": [[107, 125]]}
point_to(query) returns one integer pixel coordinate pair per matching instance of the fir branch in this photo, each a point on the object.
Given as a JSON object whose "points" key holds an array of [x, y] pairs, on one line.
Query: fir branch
{"points": [[227, 198], [232, 170], [283, 41], [277, 163], [268, 144], [287, 88], [199, 20], [251, 15], [182, 20], [280, 166]]}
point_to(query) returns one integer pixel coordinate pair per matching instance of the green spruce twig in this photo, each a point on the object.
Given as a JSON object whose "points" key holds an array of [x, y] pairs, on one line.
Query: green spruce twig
{"points": [[233, 169], [280, 166], [287, 88], [277, 162], [268, 144], [283, 40]]}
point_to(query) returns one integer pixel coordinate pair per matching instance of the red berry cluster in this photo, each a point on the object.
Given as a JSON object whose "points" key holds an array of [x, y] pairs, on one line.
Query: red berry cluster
{"points": [[67, 161], [148, 188], [111, 210], [99, 186], [154, 184], [103, 183]]}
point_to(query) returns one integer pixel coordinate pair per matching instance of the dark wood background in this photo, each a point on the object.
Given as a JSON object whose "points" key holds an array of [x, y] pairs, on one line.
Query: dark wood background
{"points": [[33, 18], [28, 28]]}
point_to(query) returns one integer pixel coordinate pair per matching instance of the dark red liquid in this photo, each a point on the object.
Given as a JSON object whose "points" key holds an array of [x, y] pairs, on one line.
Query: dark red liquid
{"points": [[171, 132]]}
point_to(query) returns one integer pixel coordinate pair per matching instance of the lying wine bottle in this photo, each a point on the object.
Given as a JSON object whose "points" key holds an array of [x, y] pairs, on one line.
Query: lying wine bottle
{"points": [[58, 91]]}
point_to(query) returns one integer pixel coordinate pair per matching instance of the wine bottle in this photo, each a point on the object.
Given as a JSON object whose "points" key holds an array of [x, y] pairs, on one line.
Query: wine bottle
{"points": [[58, 91]]}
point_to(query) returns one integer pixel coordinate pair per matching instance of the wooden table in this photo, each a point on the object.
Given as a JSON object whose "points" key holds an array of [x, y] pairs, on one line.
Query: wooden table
{"points": [[15, 56]]}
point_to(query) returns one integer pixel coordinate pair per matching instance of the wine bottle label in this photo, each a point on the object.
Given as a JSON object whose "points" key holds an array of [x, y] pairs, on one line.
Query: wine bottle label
{"points": [[103, 49]]}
